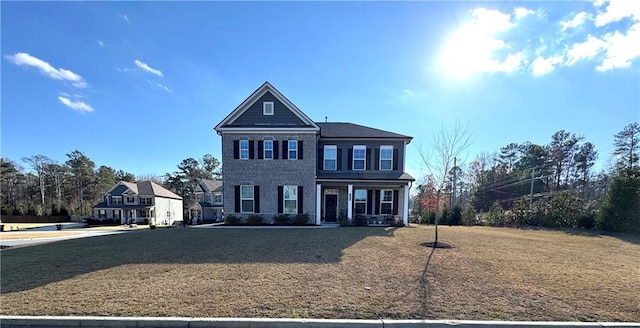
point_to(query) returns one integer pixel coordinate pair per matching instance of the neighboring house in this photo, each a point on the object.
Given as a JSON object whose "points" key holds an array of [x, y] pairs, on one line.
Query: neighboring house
{"points": [[141, 202], [209, 201], [278, 161]]}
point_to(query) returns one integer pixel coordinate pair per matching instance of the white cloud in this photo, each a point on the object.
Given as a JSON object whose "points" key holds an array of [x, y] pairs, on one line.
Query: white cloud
{"points": [[488, 21], [541, 66], [125, 17], [584, 50], [163, 87], [617, 10], [75, 105], [577, 20], [101, 44], [148, 68], [621, 49], [23, 58], [521, 12]]}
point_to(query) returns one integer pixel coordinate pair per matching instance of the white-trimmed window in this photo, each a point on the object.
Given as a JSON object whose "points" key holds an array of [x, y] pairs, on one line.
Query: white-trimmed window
{"points": [[116, 200], [130, 200], [386, 201], [386, 158], [330, 157], [146, 201], [116, 214], [359, 157], [217, 198], [361, 201], [246, 199], [244, 149], [268, 149], [102, 214], [293, 149], [267, 108], [290, 199]]}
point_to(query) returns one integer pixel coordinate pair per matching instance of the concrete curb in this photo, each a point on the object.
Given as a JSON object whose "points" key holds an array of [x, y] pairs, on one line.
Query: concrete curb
{"points": [[183, 322]]}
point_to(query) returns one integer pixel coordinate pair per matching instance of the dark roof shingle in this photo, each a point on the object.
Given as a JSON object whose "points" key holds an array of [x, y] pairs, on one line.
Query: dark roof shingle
{"points": [[350, 130]]}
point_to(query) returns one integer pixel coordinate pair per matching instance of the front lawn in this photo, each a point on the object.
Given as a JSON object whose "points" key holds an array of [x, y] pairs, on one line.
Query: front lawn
{"points": [[490, 273]]}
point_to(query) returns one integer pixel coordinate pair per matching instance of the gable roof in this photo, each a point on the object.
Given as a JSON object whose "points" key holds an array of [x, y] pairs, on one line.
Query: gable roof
{"points": [[350, 130], [145, 188], [208, 185], [266, 87]]}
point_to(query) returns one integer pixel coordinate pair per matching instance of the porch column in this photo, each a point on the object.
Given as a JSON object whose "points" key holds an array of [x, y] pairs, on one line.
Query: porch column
{"points": [[318, 204], [350, 202], [405, 206]]}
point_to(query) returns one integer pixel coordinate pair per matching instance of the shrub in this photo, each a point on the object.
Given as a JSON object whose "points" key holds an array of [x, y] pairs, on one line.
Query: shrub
{"points": [[145, 221], [620, 210], [55, 210], [17, 210], [495, 216], [445, 217], [282, 219], [563, 211], [456, 215], [254, 219], [360, 220], [64, 211], [31, 210], [587, 220], [301, 219], [343, 221], [231, 220], [469, 216]]}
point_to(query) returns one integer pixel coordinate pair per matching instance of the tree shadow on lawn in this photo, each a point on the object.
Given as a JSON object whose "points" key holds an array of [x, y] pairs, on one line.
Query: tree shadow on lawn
{"points": [[25, 268], [628, 237]]}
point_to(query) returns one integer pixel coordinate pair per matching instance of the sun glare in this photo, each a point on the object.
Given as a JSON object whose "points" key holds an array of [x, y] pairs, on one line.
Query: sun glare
{"points": [[468, 51]]}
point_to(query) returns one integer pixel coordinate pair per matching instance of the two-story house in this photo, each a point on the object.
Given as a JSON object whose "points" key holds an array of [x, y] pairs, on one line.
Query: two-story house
{"points": [[279, 161], [208, 194], [141, 202]]}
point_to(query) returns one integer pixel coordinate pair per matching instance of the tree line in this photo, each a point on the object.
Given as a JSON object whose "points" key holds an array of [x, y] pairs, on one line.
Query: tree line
{"points": [[552, 185], [41, 186]]}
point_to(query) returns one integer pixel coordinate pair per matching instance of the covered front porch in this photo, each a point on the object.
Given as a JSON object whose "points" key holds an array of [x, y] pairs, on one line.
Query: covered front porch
{"points": [[362, 202]]}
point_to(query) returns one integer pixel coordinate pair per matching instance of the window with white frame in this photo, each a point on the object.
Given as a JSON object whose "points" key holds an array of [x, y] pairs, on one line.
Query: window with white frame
{"points": [[116, 200], [267, 108], [386, 158], [359, 157], [330, 157], [130, 200], [361, 201], [246, 199], [268, 149], [386, 201], [116, 214], [146, 201], [102, 214], [144, 214], [244, 149], [290, 199], [293, 149], [217, 198]]}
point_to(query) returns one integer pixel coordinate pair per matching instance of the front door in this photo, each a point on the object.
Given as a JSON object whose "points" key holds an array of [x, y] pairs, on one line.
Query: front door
{"points": [[330, 208]]}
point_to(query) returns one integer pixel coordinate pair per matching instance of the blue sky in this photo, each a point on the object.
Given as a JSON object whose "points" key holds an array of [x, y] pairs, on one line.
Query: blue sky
{"points": [[139, 86]]}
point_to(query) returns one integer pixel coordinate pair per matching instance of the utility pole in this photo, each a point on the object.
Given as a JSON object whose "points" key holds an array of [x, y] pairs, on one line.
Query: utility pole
{"points": [[533, 170], [454, 181]]}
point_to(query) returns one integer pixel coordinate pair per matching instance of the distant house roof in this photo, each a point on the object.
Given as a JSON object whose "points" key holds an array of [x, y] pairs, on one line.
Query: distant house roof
{"points": [[350, 130], [208, 185], [145, 188]]}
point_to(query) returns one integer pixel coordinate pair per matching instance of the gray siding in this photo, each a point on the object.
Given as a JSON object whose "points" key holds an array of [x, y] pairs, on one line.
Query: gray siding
{"points": [[269, 174], [282, 116], [373, 146]]}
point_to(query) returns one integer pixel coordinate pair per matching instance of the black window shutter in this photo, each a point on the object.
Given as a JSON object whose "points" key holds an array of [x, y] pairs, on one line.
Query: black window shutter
{"points": [[368, 158], [275, 149], [280, 199], [300, 149], [300, 197], [376, 160], [320, 159], [251, 149], [285, 149], [260, 149], [369, 201], [236, 149], [350, 159], [237, 198], [256, 199], [395, 202], [376, 210], [395, 159], [339, 159]]}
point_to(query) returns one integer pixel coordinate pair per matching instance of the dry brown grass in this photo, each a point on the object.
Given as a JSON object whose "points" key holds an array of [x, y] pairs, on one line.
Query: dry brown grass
{"points": [[491, 273], [35, 234]]}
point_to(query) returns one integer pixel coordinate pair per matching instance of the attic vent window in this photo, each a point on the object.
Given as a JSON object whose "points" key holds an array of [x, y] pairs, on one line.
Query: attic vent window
{"points": [[267, 108]]}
